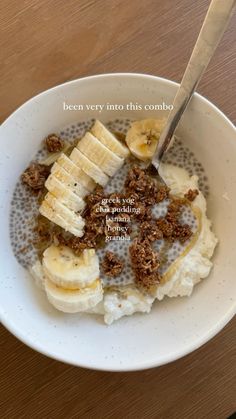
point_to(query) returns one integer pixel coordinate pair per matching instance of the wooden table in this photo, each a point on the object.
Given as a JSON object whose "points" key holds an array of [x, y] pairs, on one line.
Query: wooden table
{"points": [[47, 42]]}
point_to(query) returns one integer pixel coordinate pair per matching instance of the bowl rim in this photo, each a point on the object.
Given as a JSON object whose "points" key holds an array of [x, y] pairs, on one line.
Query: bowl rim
{"points": [[9, 325]]}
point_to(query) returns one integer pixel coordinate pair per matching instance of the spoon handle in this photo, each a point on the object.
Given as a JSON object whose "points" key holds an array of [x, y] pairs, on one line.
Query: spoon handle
{"points": [[214, 25]]}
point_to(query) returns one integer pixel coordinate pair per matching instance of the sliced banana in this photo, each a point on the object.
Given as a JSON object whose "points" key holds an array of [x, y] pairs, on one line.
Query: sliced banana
{"points": [[89, 167], [109, 140], [76, 172], [51, 215], [64, 177], [59, 214], [68, 270], [74, 301], [64, 194], [143, 136], [73, 219], [99, 154]]}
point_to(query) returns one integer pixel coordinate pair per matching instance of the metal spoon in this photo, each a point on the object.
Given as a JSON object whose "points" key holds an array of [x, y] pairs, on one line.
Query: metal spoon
{"points": [[214, 25]]}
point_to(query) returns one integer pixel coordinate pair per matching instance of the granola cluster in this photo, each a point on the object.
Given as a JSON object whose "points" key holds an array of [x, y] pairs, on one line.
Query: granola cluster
{"points": [[145, 263], [171, 226], [138, 182], [54, 143], [112, 265], [35, 176]]}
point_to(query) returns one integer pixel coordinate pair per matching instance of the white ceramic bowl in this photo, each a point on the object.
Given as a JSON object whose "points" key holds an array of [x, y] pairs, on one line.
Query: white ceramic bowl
{"points": [[175, 326]]}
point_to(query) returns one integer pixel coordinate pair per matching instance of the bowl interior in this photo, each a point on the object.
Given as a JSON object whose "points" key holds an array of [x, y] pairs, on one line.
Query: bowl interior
{"points": [[175, 326]]}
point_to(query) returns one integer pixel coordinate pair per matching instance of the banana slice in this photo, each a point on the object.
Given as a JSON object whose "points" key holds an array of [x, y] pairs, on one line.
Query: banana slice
{"points": [[64, 194], [89, 167], [64, 177], [59, 214], [109, 140], [73, 219], [99, 154], [47, 211], [143, 136], [68, 270], [74, 301], [78, 174]]}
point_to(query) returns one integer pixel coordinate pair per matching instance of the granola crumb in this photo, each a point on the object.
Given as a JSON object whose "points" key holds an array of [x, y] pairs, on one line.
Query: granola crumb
{"points": [[150, 231], [79, 245], [145, 263], [182, 232], [54, 143], [162, 193], [191, 194], [35, 176], [165, 227], [42, 229], [112, 265]]}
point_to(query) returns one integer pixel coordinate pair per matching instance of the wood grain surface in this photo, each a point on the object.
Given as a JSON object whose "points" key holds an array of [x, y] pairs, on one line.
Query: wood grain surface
{"points": [[46, 42]]}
